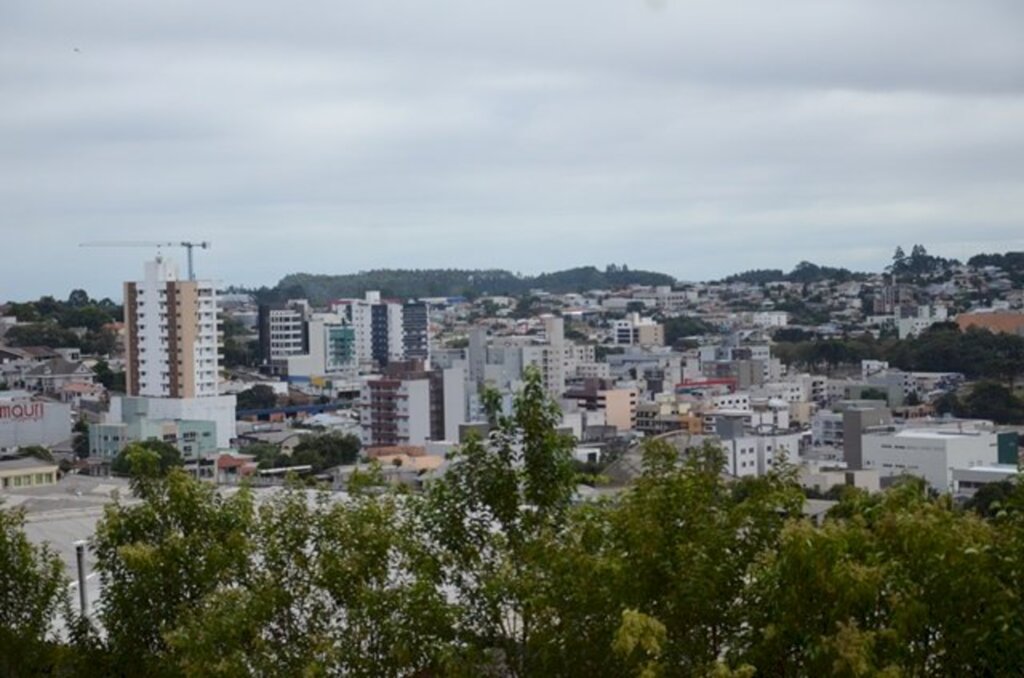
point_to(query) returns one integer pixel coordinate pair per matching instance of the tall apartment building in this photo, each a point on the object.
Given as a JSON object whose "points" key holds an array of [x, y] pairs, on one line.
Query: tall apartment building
{"points": [[409, 405], [172, 334], [330, 350], [386, 331], [283, 330], [416, 330]]}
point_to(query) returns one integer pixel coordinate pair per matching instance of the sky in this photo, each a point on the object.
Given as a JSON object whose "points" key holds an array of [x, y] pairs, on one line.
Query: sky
{"points": [[693, 137]]}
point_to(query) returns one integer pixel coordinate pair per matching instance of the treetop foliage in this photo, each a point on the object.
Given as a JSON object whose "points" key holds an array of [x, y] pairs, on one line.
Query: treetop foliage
{"points": [[497, 570], [49, 322]]}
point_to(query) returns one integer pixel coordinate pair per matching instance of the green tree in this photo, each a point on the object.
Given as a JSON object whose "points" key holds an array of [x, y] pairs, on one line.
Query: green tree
{"points": [[104, 374], [992, 400], [258, 397], [167, 456], [688, 540], [863, 594], [33, 591], [874, 394], [341, 589], [501, 502], [324, 451], [37, 451], [991, 498], [80, 438], [159, 560]]}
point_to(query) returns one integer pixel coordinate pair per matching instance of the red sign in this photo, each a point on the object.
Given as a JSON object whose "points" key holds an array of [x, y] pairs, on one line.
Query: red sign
{"points": [[22, 411]]}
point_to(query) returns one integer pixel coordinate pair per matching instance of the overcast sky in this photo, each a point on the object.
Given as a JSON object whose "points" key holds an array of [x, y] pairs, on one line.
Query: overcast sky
{"points": [[695, 137]]}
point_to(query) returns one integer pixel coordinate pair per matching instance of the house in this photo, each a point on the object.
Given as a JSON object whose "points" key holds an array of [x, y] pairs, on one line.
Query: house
{"points": [[53, 375]]}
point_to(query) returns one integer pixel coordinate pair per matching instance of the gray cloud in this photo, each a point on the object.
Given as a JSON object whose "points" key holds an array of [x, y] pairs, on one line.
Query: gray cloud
{"points": [[696, 137]]}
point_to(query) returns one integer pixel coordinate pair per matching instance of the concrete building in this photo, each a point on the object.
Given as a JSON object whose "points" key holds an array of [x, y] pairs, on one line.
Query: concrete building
{"points": [[25, 421], [21, 472], [386, 331], [283, 332], [194, 439], [619, 404], [331, 350], [637, 331], [172, 334], [931, 454], [53, 375], [967, 481], [664, 415], [750, 454], [219, 410], [913, 320], [858, 417], [416, 331], [409, 405]]}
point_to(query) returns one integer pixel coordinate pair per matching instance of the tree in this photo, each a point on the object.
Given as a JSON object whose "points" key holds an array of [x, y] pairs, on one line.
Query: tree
{"points": [[862, 594], [491, 516], [41, 334], [898, 257], [681, 327], [324, 451], [167, 456], [258, 397], [158, 560], [80, 438], [685, 568], [872, 393], [344, 588], [78, 298], [992, 400], [37, 451], [104, 374], [991, 498], [33, 590]]}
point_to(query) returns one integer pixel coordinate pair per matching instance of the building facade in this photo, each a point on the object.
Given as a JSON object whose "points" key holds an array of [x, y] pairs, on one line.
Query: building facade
{"points": [[172, 334], [25, 421]]}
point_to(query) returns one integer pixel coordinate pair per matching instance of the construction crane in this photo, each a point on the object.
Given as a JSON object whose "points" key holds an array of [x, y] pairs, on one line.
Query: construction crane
{"points": [[144, 243]]}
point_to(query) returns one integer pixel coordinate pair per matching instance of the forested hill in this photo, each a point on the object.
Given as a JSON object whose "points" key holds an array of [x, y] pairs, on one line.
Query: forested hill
{"points": [[406, 283]]}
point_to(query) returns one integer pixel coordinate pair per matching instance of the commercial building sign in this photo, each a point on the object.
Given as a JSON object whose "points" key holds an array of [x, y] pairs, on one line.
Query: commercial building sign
{"points": [[27, 411]]}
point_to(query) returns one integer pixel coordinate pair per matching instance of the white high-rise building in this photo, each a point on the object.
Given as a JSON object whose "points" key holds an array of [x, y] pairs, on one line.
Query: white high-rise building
{"points": [[172, 334]]}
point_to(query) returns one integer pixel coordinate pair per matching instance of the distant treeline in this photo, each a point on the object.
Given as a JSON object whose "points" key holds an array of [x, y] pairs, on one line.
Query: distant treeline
{"points": [[413, 283], [804, 272], [80, 322], [1011, 262], [919, 266]]}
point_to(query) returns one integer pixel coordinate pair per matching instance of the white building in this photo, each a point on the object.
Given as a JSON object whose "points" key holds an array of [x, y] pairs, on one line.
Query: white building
{"points": [[217, 409], [931, 454], [25, 422], [286, 329], [926, 317], [770, 319], [172, 334], [756, 455]]}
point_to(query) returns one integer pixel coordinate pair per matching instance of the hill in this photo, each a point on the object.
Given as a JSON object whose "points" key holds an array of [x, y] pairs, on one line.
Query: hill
{"points": [[409, 283]]}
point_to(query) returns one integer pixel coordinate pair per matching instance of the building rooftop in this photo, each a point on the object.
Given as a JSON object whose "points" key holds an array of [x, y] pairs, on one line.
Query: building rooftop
{"points": [[18, 463], [937, 433]]}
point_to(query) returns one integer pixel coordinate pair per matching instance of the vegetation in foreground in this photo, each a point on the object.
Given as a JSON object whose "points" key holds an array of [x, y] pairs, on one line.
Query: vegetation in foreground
{"points": [[495, 570]]}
